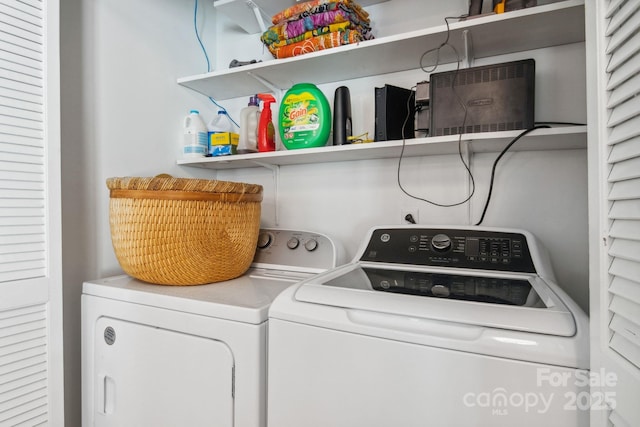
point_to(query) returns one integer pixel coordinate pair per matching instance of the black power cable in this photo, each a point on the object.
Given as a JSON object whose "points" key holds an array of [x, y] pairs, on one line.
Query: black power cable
{"points": [[464, 107], [495, 163]]}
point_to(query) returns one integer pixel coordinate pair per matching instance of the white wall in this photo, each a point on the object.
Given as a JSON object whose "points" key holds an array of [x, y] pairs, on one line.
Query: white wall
{"points": [[122, 114]]}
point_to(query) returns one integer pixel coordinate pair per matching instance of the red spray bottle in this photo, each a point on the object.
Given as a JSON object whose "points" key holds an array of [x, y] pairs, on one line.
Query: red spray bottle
{"points": [[266, 131]]}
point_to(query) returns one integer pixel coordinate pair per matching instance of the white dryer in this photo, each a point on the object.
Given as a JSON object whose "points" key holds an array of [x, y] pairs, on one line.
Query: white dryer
{"points": [[156, 355], [430, 326]]}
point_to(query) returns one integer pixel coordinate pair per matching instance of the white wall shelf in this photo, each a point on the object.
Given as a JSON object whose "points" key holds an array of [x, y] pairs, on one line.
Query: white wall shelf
{"points": [[532, 28], [559, 138], [242, 11]]}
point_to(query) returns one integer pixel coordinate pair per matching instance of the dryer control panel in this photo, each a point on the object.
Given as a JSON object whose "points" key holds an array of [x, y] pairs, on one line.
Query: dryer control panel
{"points": [[295, 249], [460, 248]]}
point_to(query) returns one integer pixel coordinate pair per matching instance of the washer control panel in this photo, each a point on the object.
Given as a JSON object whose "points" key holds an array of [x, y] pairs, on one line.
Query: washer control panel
{"points": [[477, 249], [295, 248]]}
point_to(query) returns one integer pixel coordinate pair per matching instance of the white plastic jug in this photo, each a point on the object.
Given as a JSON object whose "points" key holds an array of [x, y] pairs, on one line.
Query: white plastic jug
{"points": [[221, 123], [195, 142], [249, 117]]}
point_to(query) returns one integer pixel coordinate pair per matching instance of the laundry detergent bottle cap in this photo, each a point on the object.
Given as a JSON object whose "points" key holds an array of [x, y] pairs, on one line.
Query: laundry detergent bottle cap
{"points": [[305, 117], [266, 130]]}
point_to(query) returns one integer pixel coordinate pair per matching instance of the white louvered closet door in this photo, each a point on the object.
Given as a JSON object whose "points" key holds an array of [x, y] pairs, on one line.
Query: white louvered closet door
{"points": [[30, 237], [617, 285]]}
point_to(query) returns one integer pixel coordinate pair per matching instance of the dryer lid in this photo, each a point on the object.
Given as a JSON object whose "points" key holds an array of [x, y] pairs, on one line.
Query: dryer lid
{"points": [[521, 302]]}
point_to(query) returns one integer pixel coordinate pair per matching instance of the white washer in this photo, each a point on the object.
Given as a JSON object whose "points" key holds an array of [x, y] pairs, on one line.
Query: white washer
{"points": [[442, 326], [156, 355]]}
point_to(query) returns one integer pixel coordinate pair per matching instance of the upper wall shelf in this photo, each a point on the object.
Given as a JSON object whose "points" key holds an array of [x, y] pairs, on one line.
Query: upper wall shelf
{"points": [[561, 138], [246, 13], [533, 28]]}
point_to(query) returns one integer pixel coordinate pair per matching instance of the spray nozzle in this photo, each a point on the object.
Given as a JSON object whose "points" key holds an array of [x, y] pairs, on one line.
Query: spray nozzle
{"points": [[266, 98]]}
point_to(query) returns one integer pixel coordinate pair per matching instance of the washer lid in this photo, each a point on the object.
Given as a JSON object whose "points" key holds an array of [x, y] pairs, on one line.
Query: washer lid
{"points": [[522, 302], [245, 299]]}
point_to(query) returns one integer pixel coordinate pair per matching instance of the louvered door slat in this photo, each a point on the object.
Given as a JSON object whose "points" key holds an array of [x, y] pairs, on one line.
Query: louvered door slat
{"points": [[34, 100], [627, 230], [620, 75], [628, 329], [21, 212], [625, 249], [22, 154], [20, 113], [22, 247], [628, 288], [33, 336], [625, 190], [20, 131], [21, 229], [626, 169], [625, 90], [625, 111], [24, 185], [30, 6], [11, 193], [626, 348], [21, 168], [21, 220], [625, 141], [625, 131]]}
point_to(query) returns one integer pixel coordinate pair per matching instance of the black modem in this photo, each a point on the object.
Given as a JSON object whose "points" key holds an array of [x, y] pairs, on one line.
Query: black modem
{"points": [[393, 106], [497, 98]]}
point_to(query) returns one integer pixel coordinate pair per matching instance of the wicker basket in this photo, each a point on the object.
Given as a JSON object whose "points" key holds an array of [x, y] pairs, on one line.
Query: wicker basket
{"points": [[178, 231]]}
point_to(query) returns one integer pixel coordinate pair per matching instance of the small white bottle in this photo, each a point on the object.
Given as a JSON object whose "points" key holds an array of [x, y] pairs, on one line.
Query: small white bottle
{"points": [[195, 141], [249, 117]]}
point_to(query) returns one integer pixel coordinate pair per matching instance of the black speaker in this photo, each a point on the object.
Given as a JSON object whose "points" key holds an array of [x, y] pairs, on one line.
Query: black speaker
{"points": [[341, 116]]}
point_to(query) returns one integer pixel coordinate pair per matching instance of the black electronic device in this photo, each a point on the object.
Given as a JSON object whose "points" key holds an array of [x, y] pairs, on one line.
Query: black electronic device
{"points": [[342, 116], [423, 119], [475, 7], [497, 98], [394, 105]]}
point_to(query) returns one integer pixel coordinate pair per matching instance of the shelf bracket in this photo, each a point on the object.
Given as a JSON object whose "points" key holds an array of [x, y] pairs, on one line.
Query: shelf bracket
{"points": [[273, 88], [256, 11], [468, 49], [276, 190]]}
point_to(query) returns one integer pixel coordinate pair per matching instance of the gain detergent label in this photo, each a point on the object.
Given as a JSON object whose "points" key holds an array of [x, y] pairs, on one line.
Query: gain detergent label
{"points": [[303, 118]]}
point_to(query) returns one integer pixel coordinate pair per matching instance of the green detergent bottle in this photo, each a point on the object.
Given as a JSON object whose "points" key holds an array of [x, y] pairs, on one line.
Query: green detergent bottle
{"points": [[305, 117]]}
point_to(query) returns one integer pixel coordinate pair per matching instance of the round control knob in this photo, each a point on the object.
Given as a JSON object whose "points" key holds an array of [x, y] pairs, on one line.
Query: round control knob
{"points": [[311, 245], [293, 243], [441, 242], [264, 240]]}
